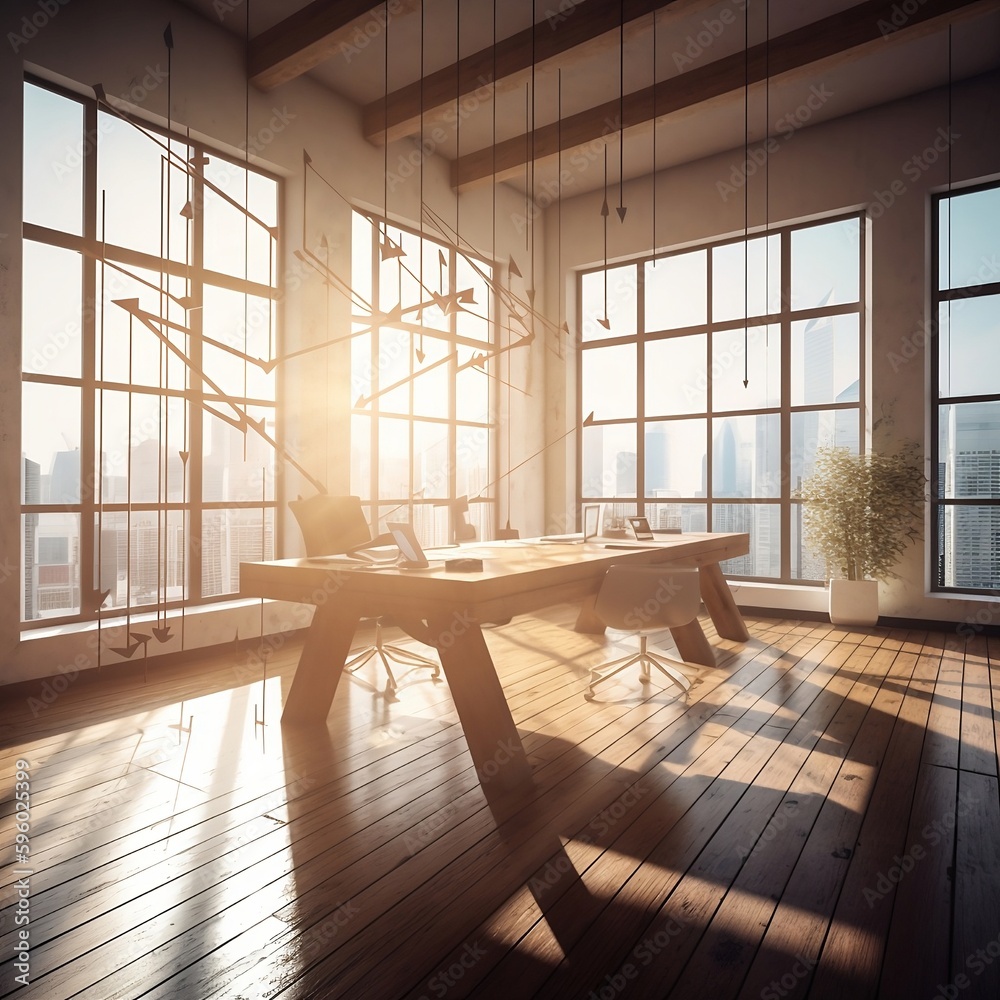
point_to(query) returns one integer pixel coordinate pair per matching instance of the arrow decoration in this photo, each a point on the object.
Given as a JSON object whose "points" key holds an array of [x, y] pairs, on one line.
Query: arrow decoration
{"points": [[93, 600], [162, 633]]}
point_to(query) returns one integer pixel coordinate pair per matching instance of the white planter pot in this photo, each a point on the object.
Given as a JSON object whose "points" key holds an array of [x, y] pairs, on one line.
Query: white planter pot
{"points": [[853, 602]]}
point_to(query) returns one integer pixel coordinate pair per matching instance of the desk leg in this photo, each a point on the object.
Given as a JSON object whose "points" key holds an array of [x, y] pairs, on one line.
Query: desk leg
{"points": [[482, 708], [693, 645], [719, 602], [321, 663], [587, 620]]}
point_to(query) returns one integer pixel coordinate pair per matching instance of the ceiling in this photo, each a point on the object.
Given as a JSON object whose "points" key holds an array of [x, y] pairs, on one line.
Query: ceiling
{"points": [[711, 75]]}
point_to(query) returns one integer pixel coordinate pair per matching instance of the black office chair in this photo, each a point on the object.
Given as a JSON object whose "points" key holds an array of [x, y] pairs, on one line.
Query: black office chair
{"points": [[332, 525]]}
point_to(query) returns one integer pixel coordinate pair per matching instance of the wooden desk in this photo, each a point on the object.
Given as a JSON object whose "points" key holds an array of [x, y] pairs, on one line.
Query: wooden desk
{"points": [[446, 610]]}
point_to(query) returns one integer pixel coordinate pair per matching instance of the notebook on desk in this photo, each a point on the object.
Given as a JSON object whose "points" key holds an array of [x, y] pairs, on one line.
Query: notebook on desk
{"points": [[591, 527]]}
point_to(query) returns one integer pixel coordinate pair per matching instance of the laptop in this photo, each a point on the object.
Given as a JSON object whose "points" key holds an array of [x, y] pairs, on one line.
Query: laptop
{"points": [[641, 529], [591, 527], [411, 554]]}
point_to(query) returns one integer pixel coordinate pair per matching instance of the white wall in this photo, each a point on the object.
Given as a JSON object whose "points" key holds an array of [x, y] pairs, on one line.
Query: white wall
{"points": [[119, 43], [838, 166]]}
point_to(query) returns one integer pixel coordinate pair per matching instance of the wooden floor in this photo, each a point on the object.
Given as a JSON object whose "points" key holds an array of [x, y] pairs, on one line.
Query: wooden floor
{"points": [[818, 817]]}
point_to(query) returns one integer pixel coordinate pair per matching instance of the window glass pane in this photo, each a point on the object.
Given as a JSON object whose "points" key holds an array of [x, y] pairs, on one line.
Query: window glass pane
{"points": [[969, 542], [361, 455], [609, 380], [362, 231], [969, 450], [238, 466], [472, 465], [825, 269], [244, 324], [432, 466], [746, 456], [472, 390], [675, 377], [53, 160], [430, 524], [52, 310], [618, 307], [432, 378], [393, 458], [676, 453], [806, 563], [969, 239], [820, 428], [129, 350], [676, 291], [139, 438], [472, 319], [141, 197], [154, 549], [51, 569], [755, 355], [393, 370], [50, 440], [361, 364], [235, 243], [825, 360], [734, 291], [968, 335], [609, 460], [685, 516], [763, 523], [229, 538]]}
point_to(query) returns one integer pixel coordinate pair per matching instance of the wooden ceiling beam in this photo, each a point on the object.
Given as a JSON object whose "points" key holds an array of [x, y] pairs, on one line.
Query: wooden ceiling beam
{"points": [[571, 24], [303, 40], [874, 21]]}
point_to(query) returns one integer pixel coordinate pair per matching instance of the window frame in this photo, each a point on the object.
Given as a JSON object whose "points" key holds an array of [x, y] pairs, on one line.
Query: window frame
{"points": [[377, 508], [191, 508], [938, 296], [784, 318]]}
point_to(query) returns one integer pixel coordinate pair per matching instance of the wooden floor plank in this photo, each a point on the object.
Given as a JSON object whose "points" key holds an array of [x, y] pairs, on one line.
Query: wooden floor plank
{"points": [[758, 837]]}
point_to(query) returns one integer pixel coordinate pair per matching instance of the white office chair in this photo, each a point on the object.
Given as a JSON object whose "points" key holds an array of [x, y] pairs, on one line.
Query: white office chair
{"points": [[644, 599]]}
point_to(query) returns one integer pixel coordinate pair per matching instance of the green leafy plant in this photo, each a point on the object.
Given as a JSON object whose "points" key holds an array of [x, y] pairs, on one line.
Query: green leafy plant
{"points": [[861, 511]]}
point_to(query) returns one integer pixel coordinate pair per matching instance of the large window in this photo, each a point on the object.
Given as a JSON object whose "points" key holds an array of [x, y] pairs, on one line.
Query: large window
{"points": [[149, 289], [965, 387], [667, 345], [423, 426]]}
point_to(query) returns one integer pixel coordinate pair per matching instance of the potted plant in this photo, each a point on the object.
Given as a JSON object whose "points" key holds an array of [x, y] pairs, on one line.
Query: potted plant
{"points": [[859, 514]]}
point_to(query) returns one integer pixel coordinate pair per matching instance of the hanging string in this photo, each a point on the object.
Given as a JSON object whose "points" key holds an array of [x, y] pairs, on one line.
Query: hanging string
{"points": [[746, 199], [654, 138]]}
